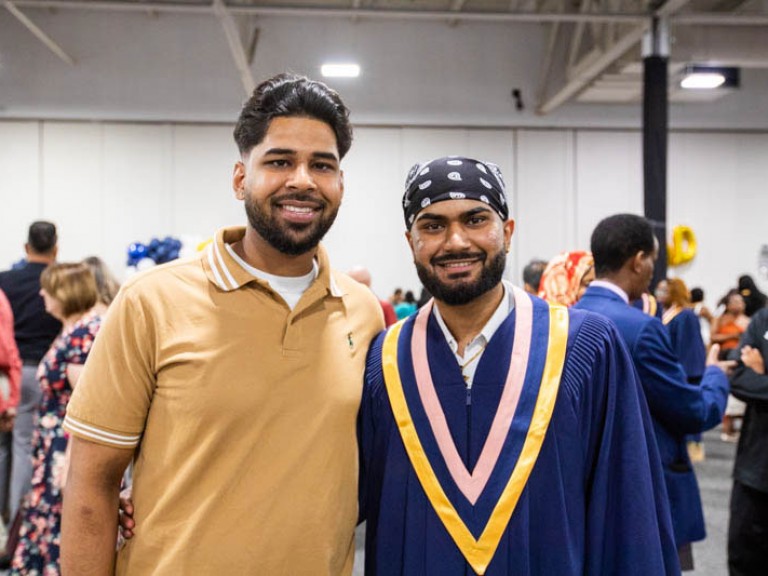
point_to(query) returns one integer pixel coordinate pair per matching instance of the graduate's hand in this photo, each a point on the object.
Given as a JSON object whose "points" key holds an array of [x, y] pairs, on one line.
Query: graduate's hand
{"points": [[127, 523], [725, 365], [752, 358]]}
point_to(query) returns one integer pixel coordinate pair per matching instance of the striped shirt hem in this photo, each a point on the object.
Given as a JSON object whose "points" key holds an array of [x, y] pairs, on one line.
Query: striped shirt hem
{"points": [[87, 431]]}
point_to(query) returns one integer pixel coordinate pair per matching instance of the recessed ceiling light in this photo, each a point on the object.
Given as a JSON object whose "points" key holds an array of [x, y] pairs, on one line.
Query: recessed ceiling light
{"points": [[703, 80], [340, 70], [699, 77]]}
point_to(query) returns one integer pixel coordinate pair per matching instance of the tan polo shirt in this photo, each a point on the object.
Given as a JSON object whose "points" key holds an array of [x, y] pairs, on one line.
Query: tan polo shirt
{"points": [[243, 412]]}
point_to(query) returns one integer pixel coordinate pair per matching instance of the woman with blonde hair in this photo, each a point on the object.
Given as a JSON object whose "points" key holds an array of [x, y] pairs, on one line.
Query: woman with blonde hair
{"points": [[106, 284], [70, 293]]}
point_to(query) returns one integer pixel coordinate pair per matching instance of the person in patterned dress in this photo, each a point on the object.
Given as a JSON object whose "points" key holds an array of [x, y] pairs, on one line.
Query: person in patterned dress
{"points": [[70, 294]]}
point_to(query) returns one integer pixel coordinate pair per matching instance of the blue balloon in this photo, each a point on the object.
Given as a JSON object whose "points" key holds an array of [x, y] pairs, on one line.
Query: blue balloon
{"points": [[137, 251]]}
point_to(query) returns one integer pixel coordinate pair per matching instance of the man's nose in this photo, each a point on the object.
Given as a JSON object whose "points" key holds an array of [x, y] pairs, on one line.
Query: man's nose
{"points": [[457, 237], [301, 178]]}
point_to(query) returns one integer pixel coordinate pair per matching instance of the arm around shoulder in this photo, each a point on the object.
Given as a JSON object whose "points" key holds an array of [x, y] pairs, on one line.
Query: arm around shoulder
{"points": [[90, 510]]}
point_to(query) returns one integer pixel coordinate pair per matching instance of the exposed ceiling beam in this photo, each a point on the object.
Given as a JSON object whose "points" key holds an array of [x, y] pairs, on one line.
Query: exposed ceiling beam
{"points": [[546, 68], [235, 45], [599, 64], [693, 18], [49, 42], [593, 70], [307, 12], [699, 19], [576, 37]]}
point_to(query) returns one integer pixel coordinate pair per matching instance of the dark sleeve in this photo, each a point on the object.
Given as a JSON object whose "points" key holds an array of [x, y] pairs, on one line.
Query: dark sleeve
{"points": [[691, 350], [367, 419], [682, 408], [746, 384], [629, 527]]}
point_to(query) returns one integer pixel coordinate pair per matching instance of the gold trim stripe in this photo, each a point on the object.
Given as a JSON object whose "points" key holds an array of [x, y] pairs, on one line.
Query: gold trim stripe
{"points": [[479, 553]]}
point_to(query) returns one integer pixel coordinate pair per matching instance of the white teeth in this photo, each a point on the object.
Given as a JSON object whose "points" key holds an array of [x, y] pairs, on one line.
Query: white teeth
{"points": [[456, 264], [298, 209]]}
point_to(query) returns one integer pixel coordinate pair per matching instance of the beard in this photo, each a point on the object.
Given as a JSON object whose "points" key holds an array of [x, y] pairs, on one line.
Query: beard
{"points": [[459, 293], [288, 237]]}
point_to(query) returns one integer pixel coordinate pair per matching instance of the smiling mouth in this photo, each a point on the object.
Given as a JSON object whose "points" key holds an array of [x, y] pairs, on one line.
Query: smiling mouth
{"points": [[456, 268], [298, 209], [458, 263], [298, 212]]}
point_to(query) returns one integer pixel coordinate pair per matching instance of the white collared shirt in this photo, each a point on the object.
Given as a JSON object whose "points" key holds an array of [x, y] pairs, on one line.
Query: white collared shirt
{"points": [[479, 342], [612, 287], [290, 288]]}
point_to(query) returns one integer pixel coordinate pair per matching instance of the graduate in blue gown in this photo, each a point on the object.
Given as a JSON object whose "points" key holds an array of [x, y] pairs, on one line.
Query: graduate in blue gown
{"points": [[683, 326], [685, 336], [500, 435], [648, 304], [624, 250]]}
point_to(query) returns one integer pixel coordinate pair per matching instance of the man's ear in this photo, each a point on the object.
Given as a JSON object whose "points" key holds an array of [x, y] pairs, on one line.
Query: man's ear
{"points": [[637, 262], [238, 180], [509, 230], [410, 240]]}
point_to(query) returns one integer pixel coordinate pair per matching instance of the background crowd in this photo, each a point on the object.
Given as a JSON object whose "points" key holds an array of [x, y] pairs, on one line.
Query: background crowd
{"points": [[51, 312]]}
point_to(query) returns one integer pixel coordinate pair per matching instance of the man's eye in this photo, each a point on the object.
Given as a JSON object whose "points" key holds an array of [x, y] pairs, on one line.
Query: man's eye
{"points": [[278, 163], [477, 220], [324, 166]]}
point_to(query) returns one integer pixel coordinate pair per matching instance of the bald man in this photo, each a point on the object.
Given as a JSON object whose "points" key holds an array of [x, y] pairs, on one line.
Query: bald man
{"points": [[362, 275]]}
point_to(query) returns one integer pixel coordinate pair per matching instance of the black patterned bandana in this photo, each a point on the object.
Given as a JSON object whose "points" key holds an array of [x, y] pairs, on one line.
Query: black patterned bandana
{"points": [[453, 178]]}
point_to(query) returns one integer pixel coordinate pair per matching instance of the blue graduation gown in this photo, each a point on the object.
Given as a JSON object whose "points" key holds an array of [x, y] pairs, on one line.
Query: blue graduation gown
{"points": [[685, 336], [677, 407], [595, 502]]}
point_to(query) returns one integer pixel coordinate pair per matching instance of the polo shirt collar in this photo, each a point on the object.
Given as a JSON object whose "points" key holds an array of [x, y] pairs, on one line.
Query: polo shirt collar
{"points": [[227, 274]]}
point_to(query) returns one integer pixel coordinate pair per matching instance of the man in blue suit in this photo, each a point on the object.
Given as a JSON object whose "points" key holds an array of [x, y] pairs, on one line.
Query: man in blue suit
{"points": [[624, 249]]}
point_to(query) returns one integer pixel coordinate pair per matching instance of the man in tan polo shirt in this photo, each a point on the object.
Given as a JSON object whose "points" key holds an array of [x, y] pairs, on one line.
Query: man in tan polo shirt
{"points": [[233, 378]]}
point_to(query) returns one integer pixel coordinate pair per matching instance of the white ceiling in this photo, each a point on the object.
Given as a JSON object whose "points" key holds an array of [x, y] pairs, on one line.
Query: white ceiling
{"points": [[427, 62]]}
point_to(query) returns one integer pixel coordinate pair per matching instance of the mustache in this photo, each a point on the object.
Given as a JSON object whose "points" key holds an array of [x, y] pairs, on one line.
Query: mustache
{"points": [[437, 260], [299, 197]]}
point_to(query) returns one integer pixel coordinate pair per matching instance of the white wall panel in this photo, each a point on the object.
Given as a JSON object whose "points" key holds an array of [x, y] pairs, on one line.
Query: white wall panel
{"points": [[20, 189], [544, 189], [609, 178], [369, 230], [717, 186], [202, 199], [72, 182], [108, 184], [137, 187]]}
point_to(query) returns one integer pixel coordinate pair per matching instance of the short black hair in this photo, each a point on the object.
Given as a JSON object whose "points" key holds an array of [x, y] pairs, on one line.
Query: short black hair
{"points": [[42, 236], [532, 273], [297, 96], [697, 295], [618, 238]]}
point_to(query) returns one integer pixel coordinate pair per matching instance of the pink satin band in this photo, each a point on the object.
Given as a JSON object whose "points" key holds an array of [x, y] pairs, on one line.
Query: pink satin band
{"points": [[472, 485]]}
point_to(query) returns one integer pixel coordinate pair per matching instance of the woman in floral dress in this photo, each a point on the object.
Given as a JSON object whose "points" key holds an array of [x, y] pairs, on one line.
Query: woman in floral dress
{"points": [[70, 294]]}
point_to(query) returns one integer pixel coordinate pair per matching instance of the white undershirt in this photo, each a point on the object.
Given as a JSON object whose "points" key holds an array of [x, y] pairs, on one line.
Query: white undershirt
{"points": [[290, 288], [479, 342]]}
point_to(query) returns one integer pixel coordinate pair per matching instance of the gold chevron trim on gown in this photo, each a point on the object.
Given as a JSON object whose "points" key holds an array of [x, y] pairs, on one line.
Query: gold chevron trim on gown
{"points": [[479, 553]]}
